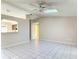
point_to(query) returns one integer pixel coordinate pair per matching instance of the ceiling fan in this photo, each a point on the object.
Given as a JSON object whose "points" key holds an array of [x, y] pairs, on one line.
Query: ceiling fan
{"points": [[43, 6]]}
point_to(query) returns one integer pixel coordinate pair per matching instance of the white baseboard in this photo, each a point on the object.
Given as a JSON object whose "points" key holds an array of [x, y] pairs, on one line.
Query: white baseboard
{"points": [[66, 43], [15, 44], [18, 43]]}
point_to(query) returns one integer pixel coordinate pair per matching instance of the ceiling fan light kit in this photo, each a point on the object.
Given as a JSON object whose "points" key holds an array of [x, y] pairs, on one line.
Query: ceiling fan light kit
{"points": [[50, 11]]}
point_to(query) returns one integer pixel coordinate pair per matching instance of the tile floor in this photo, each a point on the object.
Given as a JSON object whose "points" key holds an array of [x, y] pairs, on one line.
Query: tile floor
{"points": [[40, 50]]}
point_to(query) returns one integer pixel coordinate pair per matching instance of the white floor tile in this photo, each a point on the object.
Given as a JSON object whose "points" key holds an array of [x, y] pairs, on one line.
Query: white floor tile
{"points": [[45, 50]]}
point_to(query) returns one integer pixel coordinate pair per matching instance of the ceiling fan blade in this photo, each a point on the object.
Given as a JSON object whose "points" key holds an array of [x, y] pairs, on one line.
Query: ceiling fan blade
{"points": [[54, 3], [35, 5], [47, 2]]}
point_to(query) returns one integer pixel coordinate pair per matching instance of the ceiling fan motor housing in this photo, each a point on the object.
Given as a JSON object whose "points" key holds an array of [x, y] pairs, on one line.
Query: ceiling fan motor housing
{"points": [[42, 6]]}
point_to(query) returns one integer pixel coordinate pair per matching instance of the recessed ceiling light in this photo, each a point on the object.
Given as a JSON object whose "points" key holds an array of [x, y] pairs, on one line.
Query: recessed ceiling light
{"points": [[50, 11]]}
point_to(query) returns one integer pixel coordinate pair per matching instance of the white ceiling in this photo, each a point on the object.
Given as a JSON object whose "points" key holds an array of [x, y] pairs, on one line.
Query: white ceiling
{"points": [[65, 7], [7, 9]]}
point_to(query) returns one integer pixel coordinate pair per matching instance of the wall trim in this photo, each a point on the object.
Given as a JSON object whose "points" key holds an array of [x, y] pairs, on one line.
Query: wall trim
{"points": [[12, 45], [58, 42]]}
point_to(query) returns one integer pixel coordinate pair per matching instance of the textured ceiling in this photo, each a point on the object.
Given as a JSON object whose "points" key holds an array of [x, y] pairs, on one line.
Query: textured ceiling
{"points": [[65, 7]]}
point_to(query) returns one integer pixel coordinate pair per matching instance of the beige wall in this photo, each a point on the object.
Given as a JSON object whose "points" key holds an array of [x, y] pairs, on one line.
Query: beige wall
{"points": [[22, 36], [54, 29], [58, 29]]}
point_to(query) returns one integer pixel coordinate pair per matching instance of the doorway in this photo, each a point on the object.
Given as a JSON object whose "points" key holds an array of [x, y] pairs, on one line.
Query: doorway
{"points": [[35, 31]]}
